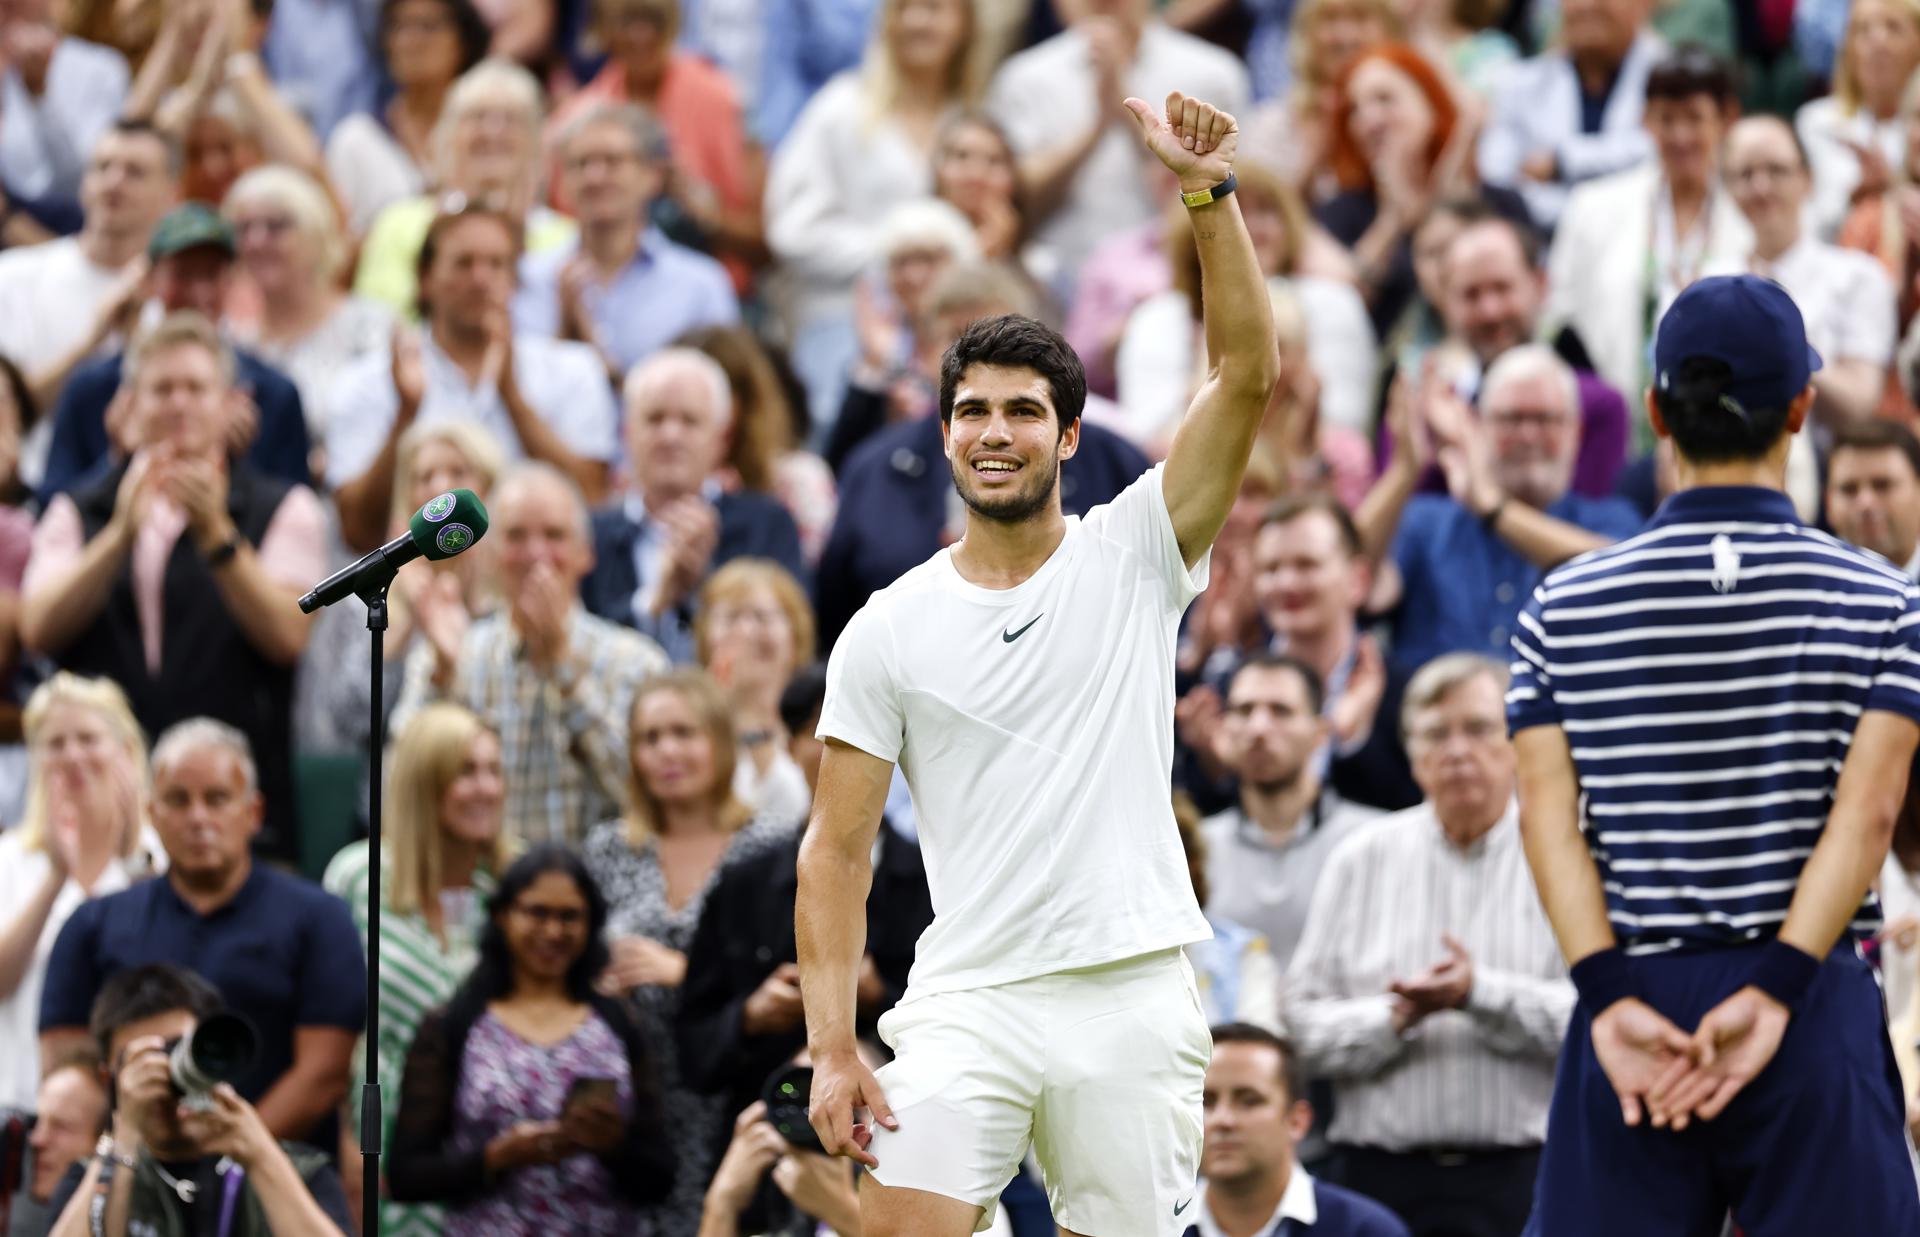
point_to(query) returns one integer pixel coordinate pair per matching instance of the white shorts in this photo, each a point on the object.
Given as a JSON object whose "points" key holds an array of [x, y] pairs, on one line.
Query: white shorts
{"points": [[1100, 1070]]}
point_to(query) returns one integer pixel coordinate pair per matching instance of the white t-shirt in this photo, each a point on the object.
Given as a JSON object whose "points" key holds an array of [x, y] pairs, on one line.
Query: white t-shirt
{"points": [[1035, 727], [21, 874], [49, 295]]}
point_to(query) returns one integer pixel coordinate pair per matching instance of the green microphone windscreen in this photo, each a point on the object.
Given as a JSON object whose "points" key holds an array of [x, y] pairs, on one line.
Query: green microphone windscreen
{"points": [[448, 524]]}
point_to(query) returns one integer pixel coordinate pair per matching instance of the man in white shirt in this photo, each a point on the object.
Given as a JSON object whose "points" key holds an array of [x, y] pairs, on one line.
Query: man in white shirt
{"points": [[57, 96], [1572, 113], [63, 300], [1023, 681], [1873, 490], [544, 399], [1428, 987], [1060, 104], [1257, 1115]]}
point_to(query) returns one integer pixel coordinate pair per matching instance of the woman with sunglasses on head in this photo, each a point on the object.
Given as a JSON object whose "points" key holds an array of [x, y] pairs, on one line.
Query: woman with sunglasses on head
{"points": [[529, 1103]]}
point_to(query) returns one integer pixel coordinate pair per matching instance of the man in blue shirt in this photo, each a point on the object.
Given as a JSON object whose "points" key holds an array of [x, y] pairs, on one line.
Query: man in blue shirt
{"points": [[1255, 1118], [281, 951], [1460, 565], [626, 289], [1715, 721]]}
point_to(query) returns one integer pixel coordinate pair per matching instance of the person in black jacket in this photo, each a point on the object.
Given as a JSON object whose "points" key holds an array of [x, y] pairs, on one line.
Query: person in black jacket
{"points": [[740, 1016], [529, 1103]]}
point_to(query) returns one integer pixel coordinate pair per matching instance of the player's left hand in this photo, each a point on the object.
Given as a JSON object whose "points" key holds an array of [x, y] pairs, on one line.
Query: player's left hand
{"points": [[1196, 140], [1733, 1043]]}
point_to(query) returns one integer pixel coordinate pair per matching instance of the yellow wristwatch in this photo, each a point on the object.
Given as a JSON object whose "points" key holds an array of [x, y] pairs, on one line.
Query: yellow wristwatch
{"points": [[1200, 197]]}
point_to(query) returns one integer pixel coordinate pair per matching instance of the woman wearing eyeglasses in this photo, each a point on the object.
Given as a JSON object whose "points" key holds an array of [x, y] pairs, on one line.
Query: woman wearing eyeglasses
{"points": [[530, 1103]]}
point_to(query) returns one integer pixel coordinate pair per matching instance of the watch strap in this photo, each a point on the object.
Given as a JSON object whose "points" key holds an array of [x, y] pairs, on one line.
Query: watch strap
{"points": [[1201, 197]]}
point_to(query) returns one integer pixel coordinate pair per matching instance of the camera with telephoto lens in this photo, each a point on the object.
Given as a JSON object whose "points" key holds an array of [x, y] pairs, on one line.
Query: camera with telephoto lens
{"points": [[786, 1094], [220, 1049]]}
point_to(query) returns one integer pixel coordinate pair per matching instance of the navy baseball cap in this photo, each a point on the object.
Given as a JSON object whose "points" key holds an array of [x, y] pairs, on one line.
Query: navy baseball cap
{"points": [[1746, 322]]}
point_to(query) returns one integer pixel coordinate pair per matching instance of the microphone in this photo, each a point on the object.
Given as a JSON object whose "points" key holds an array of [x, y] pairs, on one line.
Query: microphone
{"points": [[447, 525]]}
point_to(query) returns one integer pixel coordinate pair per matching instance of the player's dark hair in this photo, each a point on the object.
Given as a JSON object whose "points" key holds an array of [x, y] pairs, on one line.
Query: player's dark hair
{"points": [[1690, 70], [144, 991], [1247, 1033], [803, 697], [1287, 510], [1309, 677], [1875, 434], [1708, 425], [1017, 342]]}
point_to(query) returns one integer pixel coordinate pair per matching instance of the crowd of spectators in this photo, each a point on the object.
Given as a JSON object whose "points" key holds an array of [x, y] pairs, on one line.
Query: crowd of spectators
{"points": [[667, 284]]}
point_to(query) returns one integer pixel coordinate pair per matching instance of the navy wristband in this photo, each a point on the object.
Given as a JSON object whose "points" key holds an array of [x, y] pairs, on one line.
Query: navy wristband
{"points": [[1785, 973], [1602, 979]]}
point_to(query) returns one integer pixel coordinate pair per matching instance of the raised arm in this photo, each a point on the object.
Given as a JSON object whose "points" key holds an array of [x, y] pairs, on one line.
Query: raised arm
{"points": [[830, 928], [1210, 449]]}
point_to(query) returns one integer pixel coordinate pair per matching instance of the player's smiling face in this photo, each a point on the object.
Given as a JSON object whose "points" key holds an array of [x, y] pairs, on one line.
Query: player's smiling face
{"points": [[1004, 443]]}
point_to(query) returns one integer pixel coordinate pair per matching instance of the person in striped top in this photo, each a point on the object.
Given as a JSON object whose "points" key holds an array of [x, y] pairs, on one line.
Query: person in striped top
{"points": [[1714, 722]]}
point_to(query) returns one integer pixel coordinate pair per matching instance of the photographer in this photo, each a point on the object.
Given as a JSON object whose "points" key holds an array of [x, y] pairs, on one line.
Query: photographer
{"points": [[820, 1186], [177, 1168]]}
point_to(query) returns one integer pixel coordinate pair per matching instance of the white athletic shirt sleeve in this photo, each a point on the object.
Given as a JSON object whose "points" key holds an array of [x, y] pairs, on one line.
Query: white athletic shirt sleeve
{"points": [[1138, 518], [862, 708]]}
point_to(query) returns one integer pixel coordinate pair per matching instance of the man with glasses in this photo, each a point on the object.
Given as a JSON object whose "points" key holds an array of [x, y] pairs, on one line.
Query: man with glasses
{"points": [[1427, 987], [1459, 566]]}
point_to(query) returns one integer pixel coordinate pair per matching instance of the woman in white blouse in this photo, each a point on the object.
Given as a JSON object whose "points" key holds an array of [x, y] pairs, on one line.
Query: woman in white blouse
{"points": [[1853, 136], [84, 835], [291, 249], [1159, 360], [863, 145]]}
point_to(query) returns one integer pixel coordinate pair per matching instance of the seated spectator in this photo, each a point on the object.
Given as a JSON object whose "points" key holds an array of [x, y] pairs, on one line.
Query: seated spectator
{"points": [[174, 573], [1234, 971], [1401, 143], [1463, 563], [1872, 493], [1493, 289], [62, 300], [191, 256], [488, 1122], [897, 500], [1291, 131], [70, 1113], [433, 600], [1854, 136], [84, 836], [740, 1016], [326, 63], [282, 949], [717, 175], [753, 632], [553, 681], [486, 148], [1257, 1115], [376, 158], [1845, 297], [58, 96], [657, 865], [443, 852], [864, 145], [763, 451], [975, 172], [1428, 987], [1628, 243], [1421, 327], [544, 399], [287, 234], [1162, 354], [1265, 853], [677, 523], [624, 287], [1062, 103], [1573, 113], [222, 1169], [806, 44]]}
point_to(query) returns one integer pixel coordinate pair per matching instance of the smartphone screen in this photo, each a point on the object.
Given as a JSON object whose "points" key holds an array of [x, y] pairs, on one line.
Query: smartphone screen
{"points": [[592, 1090]]}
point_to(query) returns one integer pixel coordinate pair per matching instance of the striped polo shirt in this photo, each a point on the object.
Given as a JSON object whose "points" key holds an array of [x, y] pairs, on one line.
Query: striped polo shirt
{"points": [[1708, 674]]}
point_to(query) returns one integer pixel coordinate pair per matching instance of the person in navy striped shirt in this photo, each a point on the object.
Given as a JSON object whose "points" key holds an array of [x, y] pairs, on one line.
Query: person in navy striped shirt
{"points": [[1714, 722]]}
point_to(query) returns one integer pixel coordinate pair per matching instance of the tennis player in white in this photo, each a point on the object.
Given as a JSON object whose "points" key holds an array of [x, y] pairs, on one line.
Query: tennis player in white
{"points": [[1023, 681]]}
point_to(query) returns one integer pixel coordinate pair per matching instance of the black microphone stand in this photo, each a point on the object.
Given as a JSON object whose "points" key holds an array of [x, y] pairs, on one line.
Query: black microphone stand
{"points": [[370, 1120]]}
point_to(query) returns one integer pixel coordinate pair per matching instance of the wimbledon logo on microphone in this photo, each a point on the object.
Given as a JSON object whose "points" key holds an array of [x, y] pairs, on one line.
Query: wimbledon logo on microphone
{"points": [[453, 538], [439, 508]]}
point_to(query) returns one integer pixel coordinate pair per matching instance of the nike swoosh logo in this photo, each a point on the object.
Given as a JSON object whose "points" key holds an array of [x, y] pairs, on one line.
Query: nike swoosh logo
{"points": [[1011, 636], [1182, 1206]]}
